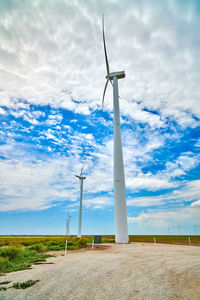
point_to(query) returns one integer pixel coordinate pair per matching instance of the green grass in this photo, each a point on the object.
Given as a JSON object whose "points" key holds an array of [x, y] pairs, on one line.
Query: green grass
{"points": [[18, 285], [43, 243], [13, 259], [4, 282], [19, 253], [24, 285]]}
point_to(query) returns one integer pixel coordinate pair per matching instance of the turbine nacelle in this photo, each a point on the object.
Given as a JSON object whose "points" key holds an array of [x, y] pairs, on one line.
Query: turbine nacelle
{"points": [[119, 75], [80, 176]]}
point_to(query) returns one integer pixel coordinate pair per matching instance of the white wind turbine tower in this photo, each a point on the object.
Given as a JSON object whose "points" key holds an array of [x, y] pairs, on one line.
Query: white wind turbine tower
{"points": [[121, 225], [81, 178], [68, 224]]}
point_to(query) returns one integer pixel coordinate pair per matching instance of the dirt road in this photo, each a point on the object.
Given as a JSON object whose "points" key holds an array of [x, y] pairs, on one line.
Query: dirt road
{"points": [[136, 271]]}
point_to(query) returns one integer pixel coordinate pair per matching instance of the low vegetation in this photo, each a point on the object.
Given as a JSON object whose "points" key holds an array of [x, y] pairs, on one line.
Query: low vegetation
{"points": [[4, 282], [43, 243], [25, 284], [17, 285], [14, 259], [19, 253], [167, 239]]}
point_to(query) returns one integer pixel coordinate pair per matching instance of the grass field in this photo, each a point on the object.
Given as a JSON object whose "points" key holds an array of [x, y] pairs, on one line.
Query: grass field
{"points": [[57, 242], [44, 242], [164, 239], [167, 239], [20, 252]]}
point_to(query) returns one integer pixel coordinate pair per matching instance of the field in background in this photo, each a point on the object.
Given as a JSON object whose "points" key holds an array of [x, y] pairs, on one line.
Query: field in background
{"points": [[44, 242], [57, 242], [164, 239], [167, 239]]}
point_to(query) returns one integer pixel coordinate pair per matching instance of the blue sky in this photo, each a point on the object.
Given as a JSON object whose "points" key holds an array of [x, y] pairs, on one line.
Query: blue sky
{"points": [[52, 75]]}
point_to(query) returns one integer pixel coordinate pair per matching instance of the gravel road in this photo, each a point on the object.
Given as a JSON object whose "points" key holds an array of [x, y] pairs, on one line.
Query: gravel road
{"points": [[133, 271]]}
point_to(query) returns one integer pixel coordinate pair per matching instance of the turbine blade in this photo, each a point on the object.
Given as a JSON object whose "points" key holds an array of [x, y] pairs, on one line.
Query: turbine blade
{"points": [[82, 169], [104, 91], [104, 44]]}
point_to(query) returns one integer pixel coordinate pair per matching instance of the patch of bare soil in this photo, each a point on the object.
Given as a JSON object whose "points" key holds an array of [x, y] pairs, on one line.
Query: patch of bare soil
{"points": [[111, 271]]}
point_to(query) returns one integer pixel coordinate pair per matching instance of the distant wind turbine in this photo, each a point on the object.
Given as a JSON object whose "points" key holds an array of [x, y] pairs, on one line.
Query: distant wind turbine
{"points": [[121, 224], [81, 178], [195, 229], [68, 224]]}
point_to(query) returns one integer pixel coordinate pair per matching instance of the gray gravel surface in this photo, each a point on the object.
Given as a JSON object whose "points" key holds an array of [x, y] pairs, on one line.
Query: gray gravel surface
{"points": [[133, 271]]}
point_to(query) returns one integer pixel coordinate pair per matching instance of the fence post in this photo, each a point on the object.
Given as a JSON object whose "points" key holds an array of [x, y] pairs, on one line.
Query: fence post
{"points": [[189, 240], [154, 240], [92, 244]]}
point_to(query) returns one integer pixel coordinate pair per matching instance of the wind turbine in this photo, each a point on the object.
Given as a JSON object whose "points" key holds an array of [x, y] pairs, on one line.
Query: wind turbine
{"points": [[68, 224], [195, 229], [81, 178], [121, 225]]}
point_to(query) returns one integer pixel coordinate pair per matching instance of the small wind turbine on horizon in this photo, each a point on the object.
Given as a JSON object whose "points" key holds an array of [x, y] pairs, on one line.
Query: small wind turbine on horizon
{"points": [[81, 178], [68, 224], [121, 224], [195, 229]]}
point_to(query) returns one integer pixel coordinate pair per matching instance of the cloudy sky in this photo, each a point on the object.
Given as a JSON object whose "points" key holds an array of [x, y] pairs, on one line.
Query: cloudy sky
{"points": [[52, 75]]}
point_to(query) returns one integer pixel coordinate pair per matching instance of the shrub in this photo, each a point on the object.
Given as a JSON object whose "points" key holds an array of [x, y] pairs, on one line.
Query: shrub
{"points": [[29, 253], [37, 247], [27, 243], [4, 263], [55, 248], [10, 252], [69, 243], [74, 247], [51, 243], [19, 246], [83, 241]]}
